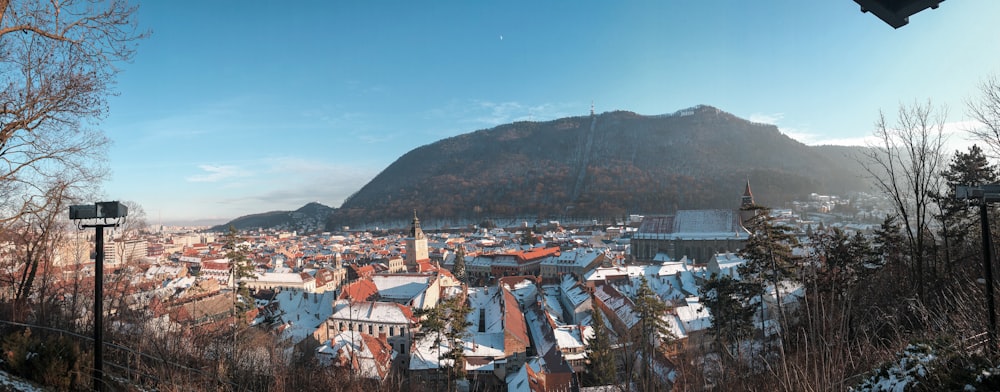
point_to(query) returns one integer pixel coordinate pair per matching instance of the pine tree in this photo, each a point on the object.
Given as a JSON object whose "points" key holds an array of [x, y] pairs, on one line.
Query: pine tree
{"points": [[730, 303], [240, 268], [888, 241], [457, 311], [973, 169], [460, 273], [649, 332], [601, 360], [528, 237], [768, 253]]}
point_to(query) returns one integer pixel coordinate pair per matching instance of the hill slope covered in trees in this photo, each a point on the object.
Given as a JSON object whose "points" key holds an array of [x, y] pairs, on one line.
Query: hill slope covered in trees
{"points": [[605, 165], [309, 218]]}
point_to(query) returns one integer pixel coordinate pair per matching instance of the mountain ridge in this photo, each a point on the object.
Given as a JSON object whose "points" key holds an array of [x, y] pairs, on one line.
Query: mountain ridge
{"points": [[603, 165]]}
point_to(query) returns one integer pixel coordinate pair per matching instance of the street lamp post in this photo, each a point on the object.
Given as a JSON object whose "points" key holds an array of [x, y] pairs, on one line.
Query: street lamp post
{"points": [[985, 194], [103, 214]]}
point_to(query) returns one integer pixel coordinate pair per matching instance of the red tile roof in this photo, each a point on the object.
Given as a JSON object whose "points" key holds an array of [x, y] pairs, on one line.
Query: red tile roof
{"points": [[360, 290], [534, 254], [513, 318]]}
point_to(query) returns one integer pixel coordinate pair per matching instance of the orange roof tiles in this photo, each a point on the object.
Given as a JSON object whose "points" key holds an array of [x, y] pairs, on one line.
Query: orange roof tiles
{"points": [[360, 290], [534, 254], [513, 318]]}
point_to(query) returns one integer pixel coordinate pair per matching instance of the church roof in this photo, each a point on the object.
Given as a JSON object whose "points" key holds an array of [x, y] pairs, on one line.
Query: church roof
{"points": [[692, 224]]}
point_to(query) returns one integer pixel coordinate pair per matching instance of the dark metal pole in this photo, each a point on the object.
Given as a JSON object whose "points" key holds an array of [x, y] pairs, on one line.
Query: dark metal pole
{"points": [[99, 311], [988, 274]]}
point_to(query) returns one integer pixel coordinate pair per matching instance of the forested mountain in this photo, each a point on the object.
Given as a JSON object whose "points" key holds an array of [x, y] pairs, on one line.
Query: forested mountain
{"points": [[604, 165], [311, 217]]}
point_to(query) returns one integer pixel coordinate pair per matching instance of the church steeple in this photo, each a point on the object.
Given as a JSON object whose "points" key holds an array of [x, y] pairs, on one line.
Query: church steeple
{"points": [[745, 203], [416, 245], [747, 199], [415, 231]]}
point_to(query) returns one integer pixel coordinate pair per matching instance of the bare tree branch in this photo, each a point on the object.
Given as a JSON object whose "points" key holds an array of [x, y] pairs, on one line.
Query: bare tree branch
{"points": [[905, 164]]}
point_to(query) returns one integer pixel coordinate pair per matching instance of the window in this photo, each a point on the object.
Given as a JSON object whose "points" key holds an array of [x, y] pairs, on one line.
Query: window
{"points": [[370, 332], [392, 331]]}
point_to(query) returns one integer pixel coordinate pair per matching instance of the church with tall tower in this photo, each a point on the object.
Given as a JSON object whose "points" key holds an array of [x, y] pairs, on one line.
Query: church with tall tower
{"points": [[746, 202], [695, 234], [416, 245]]}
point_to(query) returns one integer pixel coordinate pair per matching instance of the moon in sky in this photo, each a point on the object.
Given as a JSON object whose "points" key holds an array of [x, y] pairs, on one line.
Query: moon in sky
{"points": [[501, 37]]}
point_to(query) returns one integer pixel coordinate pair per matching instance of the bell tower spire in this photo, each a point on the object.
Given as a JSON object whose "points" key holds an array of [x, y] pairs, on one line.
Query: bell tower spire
{"points": [[746, 202], [747, 199], [416, 244]]}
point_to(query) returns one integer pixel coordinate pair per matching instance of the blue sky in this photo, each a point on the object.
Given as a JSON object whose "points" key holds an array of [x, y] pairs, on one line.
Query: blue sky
{"points": [[239, 107]]}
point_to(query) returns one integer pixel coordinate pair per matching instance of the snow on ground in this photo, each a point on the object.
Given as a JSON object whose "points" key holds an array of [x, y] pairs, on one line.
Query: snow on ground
{"points": [[9, 382], [912, 365]]}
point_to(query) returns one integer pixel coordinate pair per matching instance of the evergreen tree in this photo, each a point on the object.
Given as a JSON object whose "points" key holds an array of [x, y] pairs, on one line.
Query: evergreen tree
{"points": [[768, 253], [457, 311], [730, 302], [973, 169], [888, 241], [650, 332], [528, 237], [601, 360], [240, 268], [460, 273], [449, 321]]}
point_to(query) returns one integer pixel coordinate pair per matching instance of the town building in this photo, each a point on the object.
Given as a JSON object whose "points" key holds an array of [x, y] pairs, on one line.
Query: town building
{"points": [[392, 320], [695, 234]]}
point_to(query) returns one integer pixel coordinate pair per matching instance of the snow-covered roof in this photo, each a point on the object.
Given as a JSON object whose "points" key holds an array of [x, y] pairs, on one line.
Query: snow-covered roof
{"points": [[426, 353], [358, 347], [692, 224], [791, 292], [169, 270], [280, 277], [579, 257], [542, 336], [486, 301], [303, 313], [694, 316], [371, 311], [572, 336], [401, 287], [484, 345], [616, 301]]}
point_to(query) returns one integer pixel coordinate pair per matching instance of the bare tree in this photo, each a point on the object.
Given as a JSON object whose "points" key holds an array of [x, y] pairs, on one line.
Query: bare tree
{"points": [[905, 164], [57, 61], [30, 250], [986, 110]]}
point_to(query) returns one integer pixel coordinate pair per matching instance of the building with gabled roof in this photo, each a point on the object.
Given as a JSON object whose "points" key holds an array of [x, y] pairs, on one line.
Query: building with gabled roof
{"points": [[281, 280], [364, 354], [571, 262], [618, 309], [360, 290], [419, 291], [388, 320], [575, 300], [695, 234]]}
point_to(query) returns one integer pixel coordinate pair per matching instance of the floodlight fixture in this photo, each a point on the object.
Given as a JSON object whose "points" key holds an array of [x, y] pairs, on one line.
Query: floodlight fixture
{"points": [[985, 194], [988, 193], [111, 209], [86, 211], [896, 13], [102, 214]]}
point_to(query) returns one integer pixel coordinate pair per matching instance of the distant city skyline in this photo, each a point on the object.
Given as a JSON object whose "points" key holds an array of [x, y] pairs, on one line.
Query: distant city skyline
{"points": [[232, 108]]}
